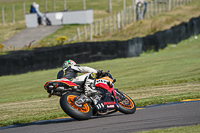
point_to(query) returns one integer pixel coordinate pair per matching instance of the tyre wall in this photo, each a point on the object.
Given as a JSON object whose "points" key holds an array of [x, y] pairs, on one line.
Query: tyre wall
{"points": [[18, 62]]}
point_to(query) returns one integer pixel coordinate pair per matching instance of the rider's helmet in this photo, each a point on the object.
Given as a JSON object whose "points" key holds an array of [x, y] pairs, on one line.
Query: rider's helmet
{"points": [[68, 63], [140, 4]]}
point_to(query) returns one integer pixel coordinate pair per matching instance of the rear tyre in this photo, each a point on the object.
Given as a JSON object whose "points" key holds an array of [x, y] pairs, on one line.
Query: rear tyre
{"points": [[127, 106], [78, 112]]}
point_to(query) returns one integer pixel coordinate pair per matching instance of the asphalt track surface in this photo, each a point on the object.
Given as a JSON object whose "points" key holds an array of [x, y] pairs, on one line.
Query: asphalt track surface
{"points": [[151, 117], [29, 35]]}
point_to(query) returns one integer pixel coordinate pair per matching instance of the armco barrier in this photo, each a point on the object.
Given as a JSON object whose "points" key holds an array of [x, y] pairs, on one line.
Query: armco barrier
{"points": [[52, 57]]}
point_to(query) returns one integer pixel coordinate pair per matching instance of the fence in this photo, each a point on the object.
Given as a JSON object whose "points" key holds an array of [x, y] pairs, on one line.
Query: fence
{"points": [[124, 18], [11, 13], [15, 11]]}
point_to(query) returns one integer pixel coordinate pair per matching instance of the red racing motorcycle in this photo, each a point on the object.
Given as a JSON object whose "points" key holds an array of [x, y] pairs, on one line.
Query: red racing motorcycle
{"points": [[81, 106]]}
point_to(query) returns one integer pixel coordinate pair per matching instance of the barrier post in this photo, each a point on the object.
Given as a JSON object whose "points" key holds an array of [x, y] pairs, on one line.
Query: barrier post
{"points": [[24, 10], [64, 4], [109, 25], [54, 5], [166, 6], [158, 7], [85, 29], [109, 6], [114, 23], [172, 4], [118, 21], [95, 28], [78, 34], [175, 3], [154, 7], [133, 10], [100, 28], [104, 26], [45, 5], [13, 14], [91, 34], [147, 12], [84, 5], [124, 3], [129, 14], [122, 17], [2, 14], [169, 6]]}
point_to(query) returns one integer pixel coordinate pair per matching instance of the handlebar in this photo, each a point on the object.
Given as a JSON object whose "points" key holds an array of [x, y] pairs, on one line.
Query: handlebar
{"points": [[101, 73]]}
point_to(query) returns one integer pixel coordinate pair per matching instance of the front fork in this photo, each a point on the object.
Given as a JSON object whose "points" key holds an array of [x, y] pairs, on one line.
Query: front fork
{"points": [[121, 96]]}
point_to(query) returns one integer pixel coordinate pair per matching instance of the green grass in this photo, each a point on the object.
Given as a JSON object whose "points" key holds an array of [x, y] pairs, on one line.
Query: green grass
{"points": [[169, 75], [186, 129]]}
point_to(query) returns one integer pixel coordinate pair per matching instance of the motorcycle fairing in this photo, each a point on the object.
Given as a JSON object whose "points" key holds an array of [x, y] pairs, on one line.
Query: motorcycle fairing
{"points": [[103, 83], [106, 103], [65, 81]]}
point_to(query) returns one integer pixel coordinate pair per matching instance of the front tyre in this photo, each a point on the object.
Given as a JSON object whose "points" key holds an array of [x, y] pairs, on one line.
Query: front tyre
{"points": [[127, 105], [78, 112]]}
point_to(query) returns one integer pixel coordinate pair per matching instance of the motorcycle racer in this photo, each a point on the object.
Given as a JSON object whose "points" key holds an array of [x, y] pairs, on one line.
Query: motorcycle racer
{"points": [[70, 71]]}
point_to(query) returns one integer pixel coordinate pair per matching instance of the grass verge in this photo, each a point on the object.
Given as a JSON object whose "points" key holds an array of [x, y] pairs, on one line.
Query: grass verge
{"points": [[186, 129]]}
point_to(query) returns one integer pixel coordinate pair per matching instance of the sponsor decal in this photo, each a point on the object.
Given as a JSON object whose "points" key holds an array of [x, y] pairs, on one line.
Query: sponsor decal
{"points": [[109, 103], [110, 106], [100, 106], [92, 75], [104, 82], [101, 81]]}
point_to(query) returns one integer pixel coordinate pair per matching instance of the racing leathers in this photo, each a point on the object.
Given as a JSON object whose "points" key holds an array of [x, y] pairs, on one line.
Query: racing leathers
{"points": [[72, 71]]}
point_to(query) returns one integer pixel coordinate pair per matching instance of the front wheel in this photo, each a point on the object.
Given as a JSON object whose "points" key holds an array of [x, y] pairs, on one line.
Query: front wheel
{"points": [[76, 111], [126, 104]]}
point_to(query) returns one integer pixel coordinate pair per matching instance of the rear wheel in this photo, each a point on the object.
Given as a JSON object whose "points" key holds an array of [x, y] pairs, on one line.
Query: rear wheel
{"points": [[72, 108], [126, 105]]}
